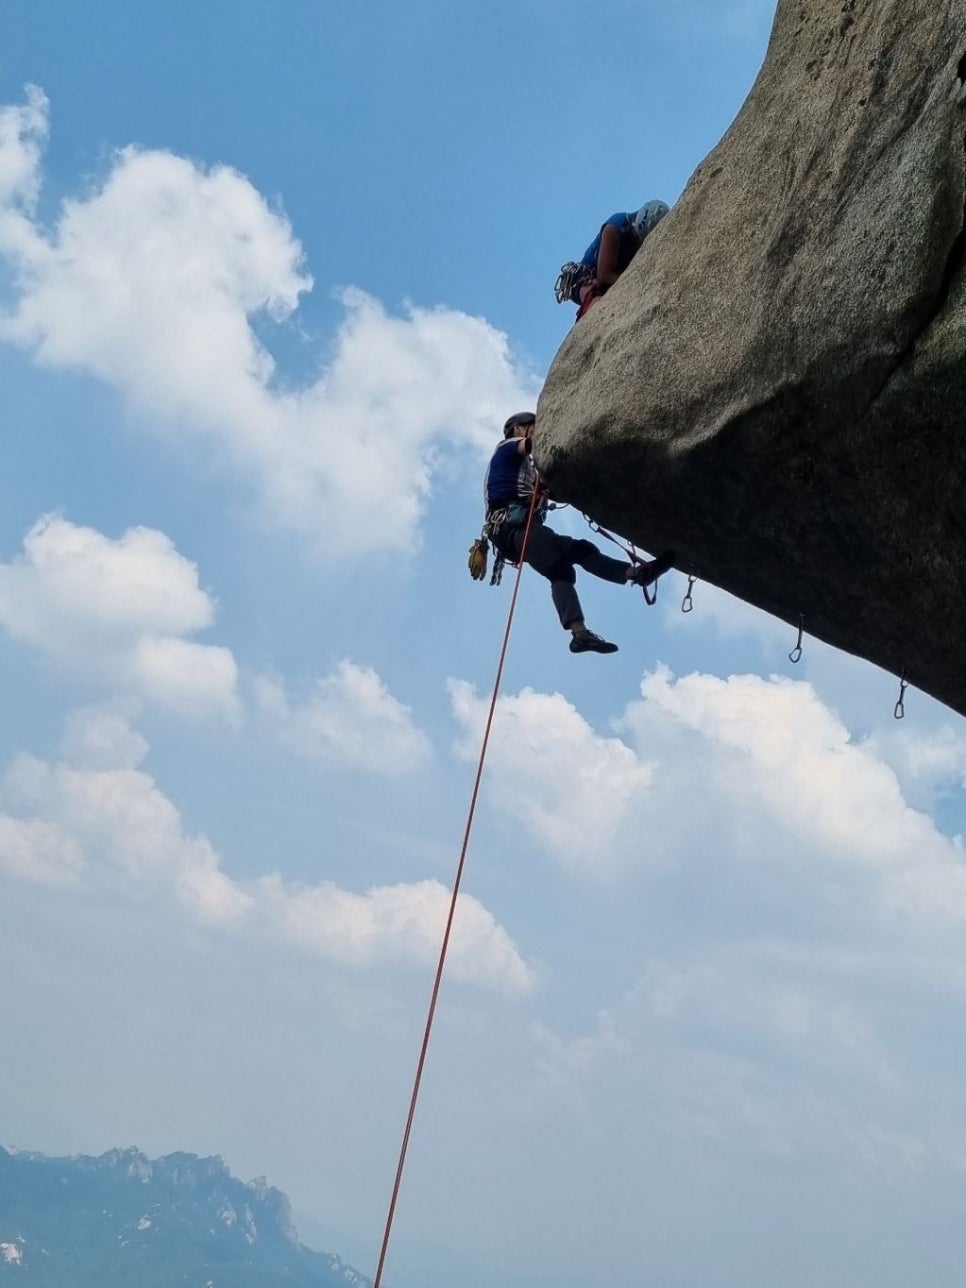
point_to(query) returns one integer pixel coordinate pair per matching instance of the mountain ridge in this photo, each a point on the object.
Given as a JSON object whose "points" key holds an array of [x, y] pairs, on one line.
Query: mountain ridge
{"points": [[123, 1220]]}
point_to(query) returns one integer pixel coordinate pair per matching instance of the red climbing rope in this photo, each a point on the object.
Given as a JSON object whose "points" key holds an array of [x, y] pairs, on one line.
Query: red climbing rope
{"points": [[452, 906]]}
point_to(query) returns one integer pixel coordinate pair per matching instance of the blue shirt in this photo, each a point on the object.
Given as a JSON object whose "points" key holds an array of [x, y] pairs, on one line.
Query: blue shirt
{"points": [[510, 476], [623, 221]]}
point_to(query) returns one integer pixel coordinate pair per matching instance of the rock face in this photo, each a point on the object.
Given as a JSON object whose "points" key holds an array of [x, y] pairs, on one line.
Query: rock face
{"points": [[776, 387]]}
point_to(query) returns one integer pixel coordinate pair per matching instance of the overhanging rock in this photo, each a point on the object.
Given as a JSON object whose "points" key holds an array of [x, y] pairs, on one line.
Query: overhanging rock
{"points": [[776, 387]]}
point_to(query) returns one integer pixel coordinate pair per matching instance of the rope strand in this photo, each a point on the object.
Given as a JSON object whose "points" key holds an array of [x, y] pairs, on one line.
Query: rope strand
{"points": [[452, 906]]}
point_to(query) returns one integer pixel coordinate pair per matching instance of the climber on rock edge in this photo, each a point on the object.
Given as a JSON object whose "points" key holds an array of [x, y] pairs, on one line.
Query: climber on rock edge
{"points": [[510, 483], [608, 255]]}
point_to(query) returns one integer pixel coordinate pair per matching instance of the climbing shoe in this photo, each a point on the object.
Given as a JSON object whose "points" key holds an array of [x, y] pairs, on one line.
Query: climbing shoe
{"points": [[588, 642], [643, 574]]}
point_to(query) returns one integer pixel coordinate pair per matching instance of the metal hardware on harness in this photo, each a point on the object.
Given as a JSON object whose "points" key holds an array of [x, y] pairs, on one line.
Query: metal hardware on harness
{"points": [[687, 603], [490, 529], [795, 656], [900, 710], [572, 278], [533, 512]]}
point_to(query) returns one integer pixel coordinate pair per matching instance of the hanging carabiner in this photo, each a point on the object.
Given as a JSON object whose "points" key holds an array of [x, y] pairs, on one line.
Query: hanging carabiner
{"points": [[795, 656], [900, 708]]}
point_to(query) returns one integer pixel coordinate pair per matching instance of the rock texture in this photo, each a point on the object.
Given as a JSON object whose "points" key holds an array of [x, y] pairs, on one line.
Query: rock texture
{"points": [[776, 387]]}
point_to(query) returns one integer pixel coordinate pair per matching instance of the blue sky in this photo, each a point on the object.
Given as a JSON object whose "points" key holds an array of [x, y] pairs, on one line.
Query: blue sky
{"points": [[271, 278]]}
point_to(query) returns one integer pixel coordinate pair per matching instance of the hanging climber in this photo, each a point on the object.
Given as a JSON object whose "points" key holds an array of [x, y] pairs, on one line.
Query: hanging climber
{"points": [[509, 488], [618, 241]]}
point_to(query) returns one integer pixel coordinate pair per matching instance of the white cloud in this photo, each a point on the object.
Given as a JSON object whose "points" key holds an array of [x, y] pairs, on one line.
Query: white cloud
{"points": [[23, 132], [35, 850], [350, 719], [804, 913], [116, 610], [930, 763], [571, 789], [773, 751], [130, 835], [742, 772], [97, 822], [102, 737], [150, 282], [399, 921]]}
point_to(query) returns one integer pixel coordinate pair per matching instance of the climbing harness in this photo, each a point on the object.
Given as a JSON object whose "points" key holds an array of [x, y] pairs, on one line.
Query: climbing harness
{"points": [[629, 549], [516, 514], [900, 708], [795, 656], [453, 900], [491, 530], [687, 603]]}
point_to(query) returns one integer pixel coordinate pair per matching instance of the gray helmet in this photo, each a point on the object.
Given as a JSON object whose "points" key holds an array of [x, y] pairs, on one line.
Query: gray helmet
{"points": [[648, 217], [520, 418]]}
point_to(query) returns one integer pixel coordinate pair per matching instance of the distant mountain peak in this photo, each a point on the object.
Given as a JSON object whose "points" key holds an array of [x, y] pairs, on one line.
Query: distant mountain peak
{"points": [[180, 1219]]}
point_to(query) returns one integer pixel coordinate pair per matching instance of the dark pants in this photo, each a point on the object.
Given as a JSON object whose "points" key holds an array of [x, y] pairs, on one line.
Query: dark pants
{"points": [[556, 557]]}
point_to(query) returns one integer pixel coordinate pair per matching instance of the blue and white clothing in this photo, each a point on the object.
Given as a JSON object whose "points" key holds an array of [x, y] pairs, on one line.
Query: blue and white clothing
{"points": [[510, 482], [623, 221], [510, 478]]}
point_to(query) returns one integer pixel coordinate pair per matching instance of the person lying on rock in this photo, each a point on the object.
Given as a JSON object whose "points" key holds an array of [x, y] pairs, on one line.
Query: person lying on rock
{"points": [[511, 481], [618, 241]]}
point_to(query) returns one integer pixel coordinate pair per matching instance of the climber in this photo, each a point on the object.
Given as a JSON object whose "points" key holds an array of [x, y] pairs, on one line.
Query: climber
{"points": [[607, 256], [510, 483]]}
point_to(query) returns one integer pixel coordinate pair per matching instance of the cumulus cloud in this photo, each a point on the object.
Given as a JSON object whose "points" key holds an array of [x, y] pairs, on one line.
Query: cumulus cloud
{"points": [[128, 835], [929, 763], [118, 611], [96, 821], [773, 751], [102, 737], [150, 283], [398, 921], [804, 912], [349, 719], [23, 133], [571, 789], [740, 772], [36, 850]]}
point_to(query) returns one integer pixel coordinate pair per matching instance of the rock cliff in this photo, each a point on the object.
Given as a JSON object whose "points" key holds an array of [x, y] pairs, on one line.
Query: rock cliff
{"points": [[776, 387]]}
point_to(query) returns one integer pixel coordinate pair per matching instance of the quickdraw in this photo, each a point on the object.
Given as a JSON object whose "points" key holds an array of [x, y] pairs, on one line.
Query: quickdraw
{"points": [[649, 592], [900, 708], [795, 656]]}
